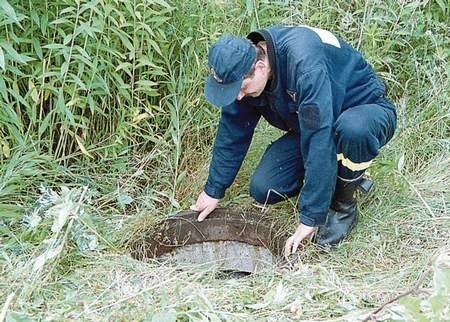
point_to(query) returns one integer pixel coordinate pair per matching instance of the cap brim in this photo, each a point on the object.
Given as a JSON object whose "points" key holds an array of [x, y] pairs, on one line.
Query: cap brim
{"points": [[221, 94]]}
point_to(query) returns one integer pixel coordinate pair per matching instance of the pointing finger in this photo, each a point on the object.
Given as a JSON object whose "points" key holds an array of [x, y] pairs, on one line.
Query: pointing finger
{"points": [[296, 244], [204, 214], [287, 247]]}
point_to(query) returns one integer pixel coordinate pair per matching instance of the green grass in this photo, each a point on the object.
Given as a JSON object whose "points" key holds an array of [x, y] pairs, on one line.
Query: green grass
{"points": [[107, 95]]}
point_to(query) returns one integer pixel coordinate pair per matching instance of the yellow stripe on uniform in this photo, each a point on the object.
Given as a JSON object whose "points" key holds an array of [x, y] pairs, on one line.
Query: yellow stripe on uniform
{"points": [[352, 165]]}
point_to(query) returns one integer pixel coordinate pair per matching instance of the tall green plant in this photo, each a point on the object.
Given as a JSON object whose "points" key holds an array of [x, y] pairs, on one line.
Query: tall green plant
{"points": [[75, 73]]}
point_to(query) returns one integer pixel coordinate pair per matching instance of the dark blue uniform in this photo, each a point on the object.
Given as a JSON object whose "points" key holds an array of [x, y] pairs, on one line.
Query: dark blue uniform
{"points": [[332, 106]]}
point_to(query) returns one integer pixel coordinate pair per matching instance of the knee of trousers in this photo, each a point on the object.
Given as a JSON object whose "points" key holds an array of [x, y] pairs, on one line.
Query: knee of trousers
{"points": [[357, 142], [263, 192], [353, 132]]}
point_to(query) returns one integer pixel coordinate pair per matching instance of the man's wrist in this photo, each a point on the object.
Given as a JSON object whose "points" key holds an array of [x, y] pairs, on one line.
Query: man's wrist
{"points": [[214, 192], [313, 220]]}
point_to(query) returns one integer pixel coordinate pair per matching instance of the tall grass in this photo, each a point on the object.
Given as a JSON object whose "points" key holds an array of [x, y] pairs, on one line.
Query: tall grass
{"points": [[80, 73], [108, 94]]}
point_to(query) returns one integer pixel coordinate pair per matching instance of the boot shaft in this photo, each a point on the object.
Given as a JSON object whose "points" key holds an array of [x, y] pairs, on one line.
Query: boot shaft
{"points": [[345, 191]]}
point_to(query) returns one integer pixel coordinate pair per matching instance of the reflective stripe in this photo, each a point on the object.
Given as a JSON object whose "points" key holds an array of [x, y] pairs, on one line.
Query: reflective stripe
{"points": [[352, 165], [351, 180], [326, 36]]}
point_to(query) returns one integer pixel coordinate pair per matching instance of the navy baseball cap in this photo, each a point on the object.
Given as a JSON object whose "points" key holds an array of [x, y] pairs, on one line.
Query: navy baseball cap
{"points": [[229, 60]]}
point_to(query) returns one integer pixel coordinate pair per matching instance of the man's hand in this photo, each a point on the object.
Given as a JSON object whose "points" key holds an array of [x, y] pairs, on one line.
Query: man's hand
{"points": [[205, 205], [294, 241]]}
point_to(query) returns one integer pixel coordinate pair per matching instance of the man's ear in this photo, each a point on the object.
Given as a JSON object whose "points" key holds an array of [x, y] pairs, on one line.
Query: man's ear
{"points": [[261, 64]]}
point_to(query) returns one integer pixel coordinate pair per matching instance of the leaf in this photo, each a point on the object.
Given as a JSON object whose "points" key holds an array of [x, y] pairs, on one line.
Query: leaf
{"points": [[165, 316], [155, 47], [44, 24], [35, 17], [33, 90], [249, 6], [45, 123], [125, 66], [13, 54], [146, 83], [54, 46], [17, 317], [77, 81], [2, 59], [67, 39], [82, 148], [9, 10], [401, 163], [5, 148], [140, 117], [124, 199], [60, 21], [185, 41], [67, 10], [163, 3], [64, 68], [3, 89], [15, 93], [61, 213], [49, 254], [65, 112], [125, 41], [37, 47], [145, 61]]}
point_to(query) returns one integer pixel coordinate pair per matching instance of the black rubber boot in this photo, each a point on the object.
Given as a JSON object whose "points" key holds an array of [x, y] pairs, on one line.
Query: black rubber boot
{"points": [[343, 213]]}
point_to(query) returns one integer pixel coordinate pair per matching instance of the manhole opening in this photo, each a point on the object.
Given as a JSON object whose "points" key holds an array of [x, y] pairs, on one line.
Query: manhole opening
{"points": [[231, 241]]}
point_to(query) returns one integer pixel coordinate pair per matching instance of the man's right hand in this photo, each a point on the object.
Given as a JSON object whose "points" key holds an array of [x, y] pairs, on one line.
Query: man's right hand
{"points": [[205, 205]]}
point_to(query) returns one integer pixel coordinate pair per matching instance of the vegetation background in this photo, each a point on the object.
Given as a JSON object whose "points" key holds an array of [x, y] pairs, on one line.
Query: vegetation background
{"points": [[104, 130]]}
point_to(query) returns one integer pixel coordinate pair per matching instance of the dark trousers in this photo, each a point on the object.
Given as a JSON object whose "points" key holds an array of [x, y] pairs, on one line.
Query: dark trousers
{"points": [[359, 134]]}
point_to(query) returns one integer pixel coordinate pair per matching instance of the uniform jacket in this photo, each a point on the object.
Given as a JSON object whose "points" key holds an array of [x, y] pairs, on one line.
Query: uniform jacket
{"points": [[315, 77]]}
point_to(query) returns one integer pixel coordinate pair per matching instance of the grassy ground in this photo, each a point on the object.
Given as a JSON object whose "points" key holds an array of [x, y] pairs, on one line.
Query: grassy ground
{"points": [[99, 143]]}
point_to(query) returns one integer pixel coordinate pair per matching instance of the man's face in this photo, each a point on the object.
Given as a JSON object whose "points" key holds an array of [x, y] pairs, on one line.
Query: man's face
{"points": [[254, 86]]}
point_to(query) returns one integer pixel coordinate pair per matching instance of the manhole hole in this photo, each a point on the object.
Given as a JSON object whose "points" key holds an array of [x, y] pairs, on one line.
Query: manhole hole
{"points": [[231, 240]]}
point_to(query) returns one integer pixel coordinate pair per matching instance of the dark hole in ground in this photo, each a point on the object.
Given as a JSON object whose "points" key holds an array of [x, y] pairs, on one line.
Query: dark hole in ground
{"points": [[233, 241]]}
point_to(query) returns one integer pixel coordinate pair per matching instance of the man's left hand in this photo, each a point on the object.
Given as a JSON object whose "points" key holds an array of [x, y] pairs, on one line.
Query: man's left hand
{"points": [[294, 241]]}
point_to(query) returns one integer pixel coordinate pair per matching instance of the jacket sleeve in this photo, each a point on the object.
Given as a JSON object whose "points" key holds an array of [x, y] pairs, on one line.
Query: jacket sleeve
{"points": [[234, 134], [315, 113]]}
